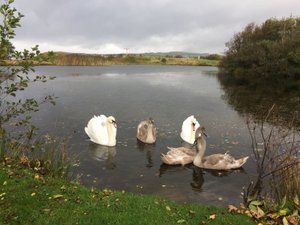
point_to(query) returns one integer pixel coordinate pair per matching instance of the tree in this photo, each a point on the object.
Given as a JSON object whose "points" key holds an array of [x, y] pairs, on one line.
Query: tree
{"points": [[269, 52], [13, 80]]}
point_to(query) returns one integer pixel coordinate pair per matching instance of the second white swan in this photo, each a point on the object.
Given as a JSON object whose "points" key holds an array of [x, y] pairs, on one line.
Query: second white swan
{"points": [[102, 130]]}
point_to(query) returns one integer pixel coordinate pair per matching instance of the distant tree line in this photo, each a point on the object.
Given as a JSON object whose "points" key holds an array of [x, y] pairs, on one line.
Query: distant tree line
{"points": [[212, 57], [269, 52]]}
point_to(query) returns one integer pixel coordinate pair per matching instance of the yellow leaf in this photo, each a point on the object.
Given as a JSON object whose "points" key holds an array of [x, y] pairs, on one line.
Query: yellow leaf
{"points": [[33, 194], [57, 196], [168, 208], [283, 212], [63, 188], [295, 213], [192, 212], [284, 221], [260, 211], [256, 203]]}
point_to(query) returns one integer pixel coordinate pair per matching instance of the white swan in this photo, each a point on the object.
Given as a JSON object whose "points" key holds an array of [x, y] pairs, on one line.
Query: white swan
{"points": [[188, 130], [146, 131], [102, 130], [214, 161]]}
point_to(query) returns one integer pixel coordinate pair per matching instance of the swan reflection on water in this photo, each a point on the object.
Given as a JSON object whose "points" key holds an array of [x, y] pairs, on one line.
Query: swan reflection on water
{"points": [[197, 173], [103, 153], [148, 148]]}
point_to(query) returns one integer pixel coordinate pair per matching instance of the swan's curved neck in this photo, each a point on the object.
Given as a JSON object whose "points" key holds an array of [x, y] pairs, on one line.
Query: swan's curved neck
{"points": [[111, 134], [201, 147]]}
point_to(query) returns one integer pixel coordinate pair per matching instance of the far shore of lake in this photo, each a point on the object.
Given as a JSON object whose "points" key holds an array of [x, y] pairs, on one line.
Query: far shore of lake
{"points": [[73, 59]]}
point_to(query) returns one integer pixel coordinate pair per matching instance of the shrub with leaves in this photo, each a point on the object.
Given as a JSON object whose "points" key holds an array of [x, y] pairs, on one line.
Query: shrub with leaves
{"points": [[16, 130], [269, 52]]}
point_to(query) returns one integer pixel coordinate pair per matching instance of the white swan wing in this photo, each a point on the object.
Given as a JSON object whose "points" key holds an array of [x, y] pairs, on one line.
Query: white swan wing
{"points": [[185, 129], [96, 129]]}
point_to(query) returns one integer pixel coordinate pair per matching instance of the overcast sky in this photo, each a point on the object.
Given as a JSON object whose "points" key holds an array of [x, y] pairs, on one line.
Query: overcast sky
{"points": [[111, 26]]}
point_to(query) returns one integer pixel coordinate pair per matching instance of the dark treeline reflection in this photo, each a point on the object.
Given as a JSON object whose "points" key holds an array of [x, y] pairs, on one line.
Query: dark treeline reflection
{"points": [[271, 110], [254, 101]]}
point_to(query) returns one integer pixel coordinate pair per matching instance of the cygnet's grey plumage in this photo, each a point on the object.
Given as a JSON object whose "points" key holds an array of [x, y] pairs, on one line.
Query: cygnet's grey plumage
{"points": [[214, 161], [146, 131], [178, 156]]}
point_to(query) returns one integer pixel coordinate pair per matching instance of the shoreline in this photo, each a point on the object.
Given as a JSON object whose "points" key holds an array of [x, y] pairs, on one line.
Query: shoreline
{"points": [[68, 59]]}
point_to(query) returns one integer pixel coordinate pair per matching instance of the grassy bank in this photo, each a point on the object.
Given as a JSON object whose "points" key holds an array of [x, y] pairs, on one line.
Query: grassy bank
{"points": [[29, 198], [74, 59], [68, 59]]}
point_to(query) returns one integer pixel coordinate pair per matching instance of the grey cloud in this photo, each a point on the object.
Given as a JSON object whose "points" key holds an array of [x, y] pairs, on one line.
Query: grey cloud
{"points": [[191, 25]]}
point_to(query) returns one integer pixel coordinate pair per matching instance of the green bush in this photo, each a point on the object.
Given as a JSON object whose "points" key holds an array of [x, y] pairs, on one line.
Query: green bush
{"points": [[17, 133], [269, 52]]}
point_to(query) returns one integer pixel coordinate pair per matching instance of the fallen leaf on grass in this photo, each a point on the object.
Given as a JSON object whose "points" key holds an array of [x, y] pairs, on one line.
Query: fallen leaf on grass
{"points": [[283, 212], [33, 194], [24, 160], [168, 208], [181, 221], [292, 220], [63, 188], [212, 217], [295, 213], [248, 213], [257, 213], [57, 196], [2, 196], [192, 212], [232, 209], [284, 221]]}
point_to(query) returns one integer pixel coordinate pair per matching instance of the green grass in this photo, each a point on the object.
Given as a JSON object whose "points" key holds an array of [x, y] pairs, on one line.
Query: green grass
{"points": [[28, 198]]}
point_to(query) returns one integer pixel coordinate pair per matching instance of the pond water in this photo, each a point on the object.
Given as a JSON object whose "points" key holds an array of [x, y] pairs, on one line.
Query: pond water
{"points": [[169, 94]]}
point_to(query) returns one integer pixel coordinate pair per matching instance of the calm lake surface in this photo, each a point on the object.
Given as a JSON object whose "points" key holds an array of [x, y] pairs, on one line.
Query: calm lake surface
{"points": [[169, 94]]}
